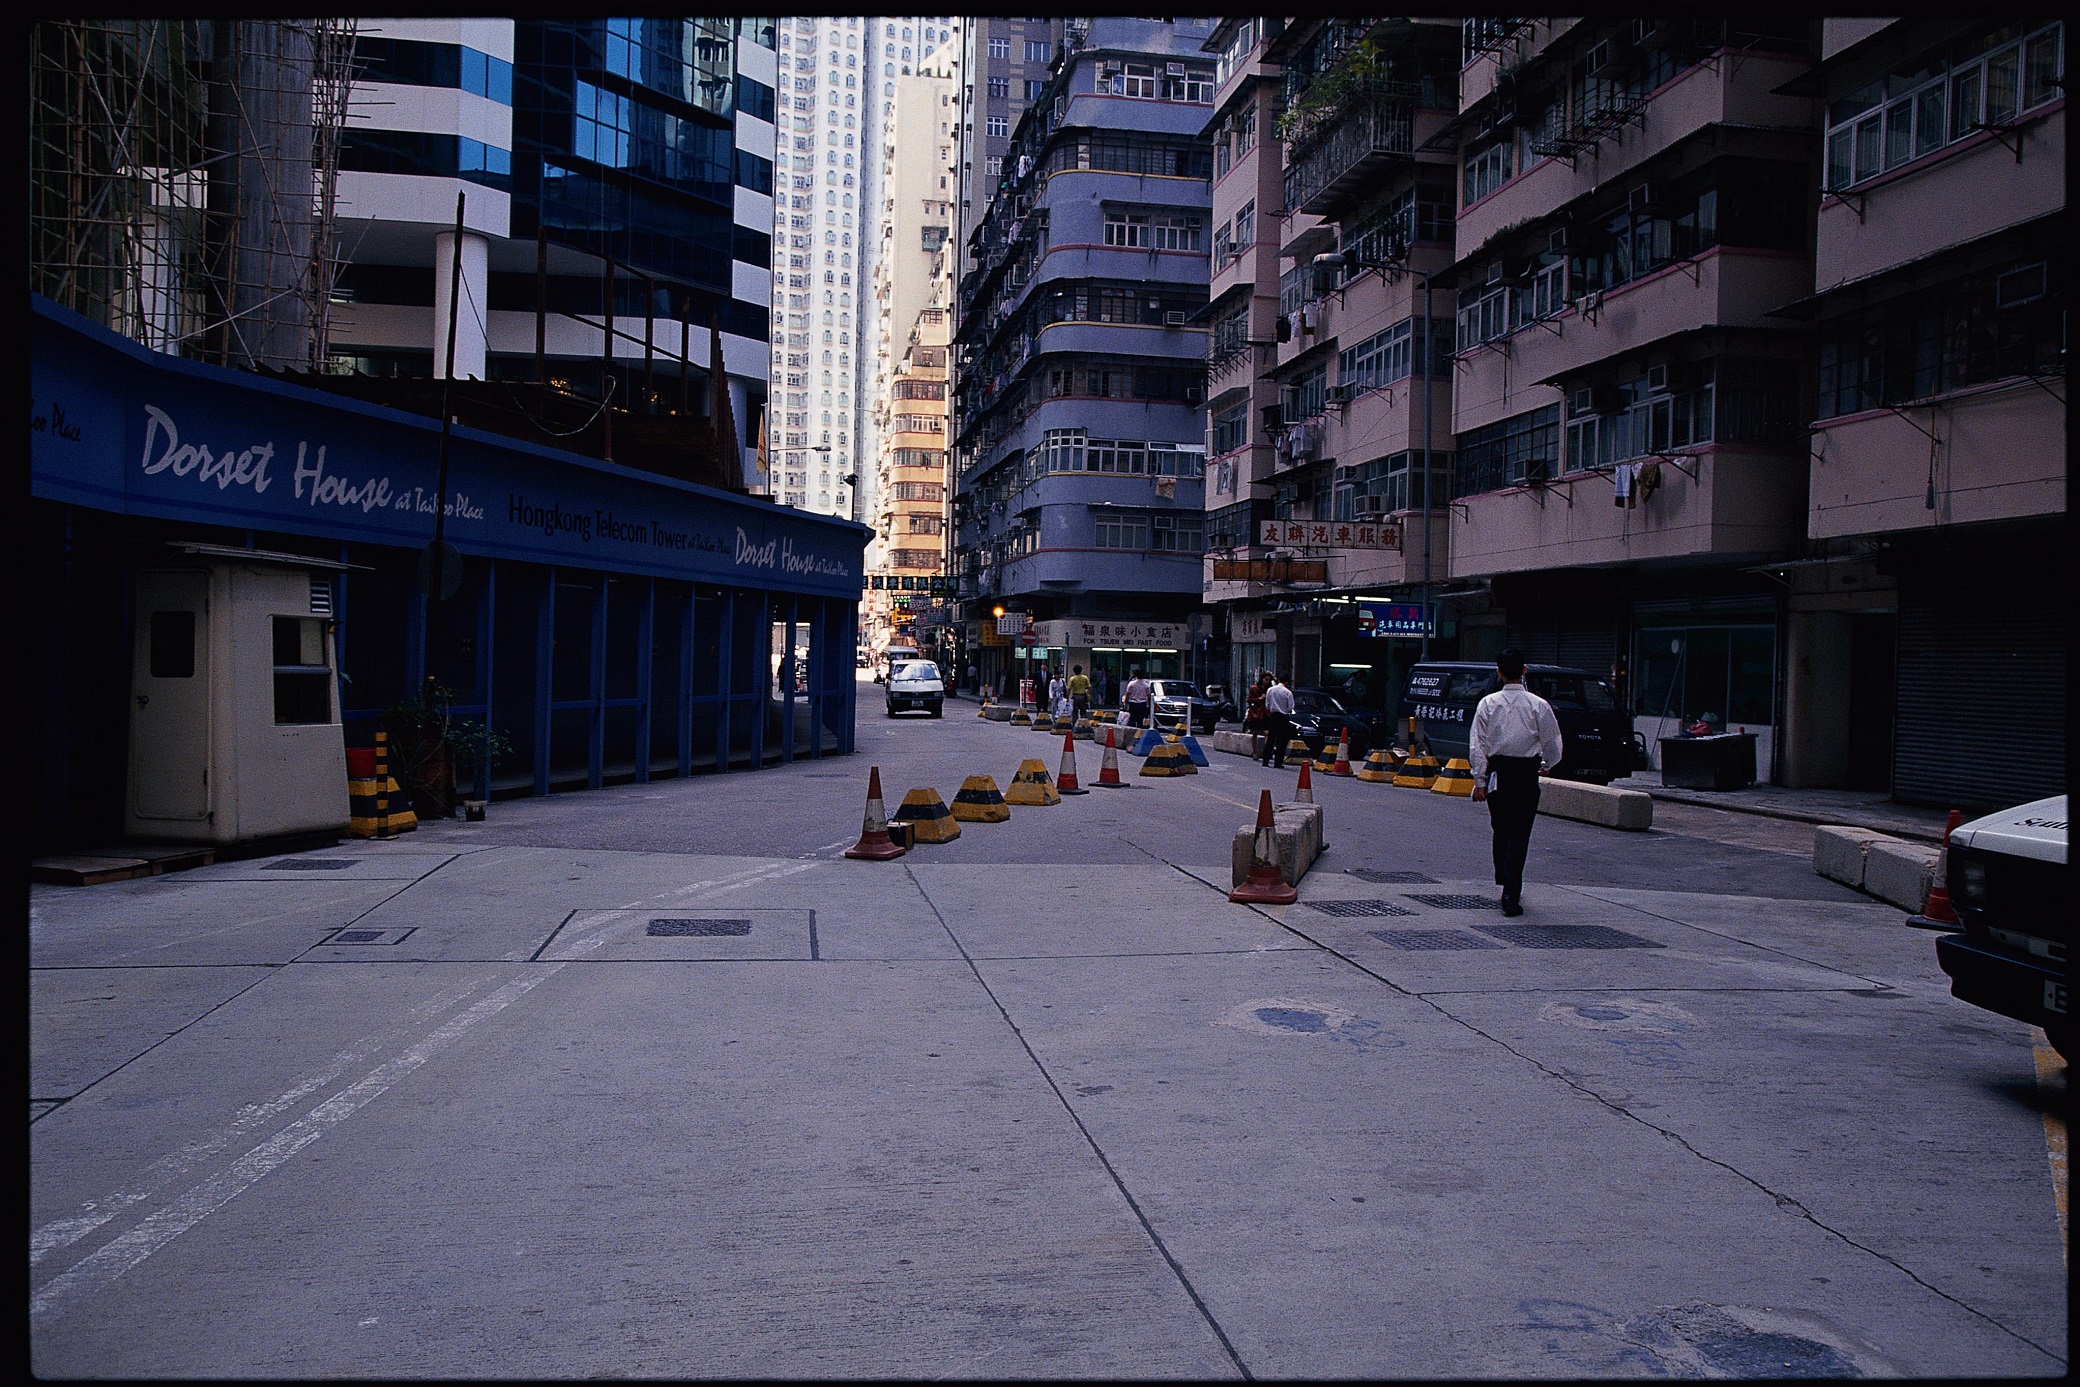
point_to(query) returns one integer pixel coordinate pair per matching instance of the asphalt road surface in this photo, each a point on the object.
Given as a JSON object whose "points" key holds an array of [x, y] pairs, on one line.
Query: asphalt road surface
{"points": [[652, 1082]]}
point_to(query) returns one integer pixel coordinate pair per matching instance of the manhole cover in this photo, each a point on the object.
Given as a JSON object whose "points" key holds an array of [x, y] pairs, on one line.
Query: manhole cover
{"points": [[1375, 875], [1456, 902], [1351, 909], [315, 864], [1567, 937], [668, 928], [1431, 939], [357, 936]]}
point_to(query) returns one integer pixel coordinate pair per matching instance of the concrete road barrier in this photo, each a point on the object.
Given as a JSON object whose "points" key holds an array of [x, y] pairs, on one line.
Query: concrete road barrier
{"points": [[1596, 804], [1901, 872], [1298, 831], [1839, 852], [1236, 742]]}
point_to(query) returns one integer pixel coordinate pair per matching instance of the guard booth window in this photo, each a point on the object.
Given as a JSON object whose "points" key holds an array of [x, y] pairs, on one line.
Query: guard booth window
{"points": [[302, 681], [173, 645]]}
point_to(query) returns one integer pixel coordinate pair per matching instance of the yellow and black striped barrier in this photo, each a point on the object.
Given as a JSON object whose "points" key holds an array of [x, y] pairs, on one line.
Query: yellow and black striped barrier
{"points": [[929, 819], [1455, 779], [979, 801]]}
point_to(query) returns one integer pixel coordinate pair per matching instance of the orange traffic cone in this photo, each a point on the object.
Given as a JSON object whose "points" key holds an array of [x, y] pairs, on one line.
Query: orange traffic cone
{"points": [[1304, 793], [1065, 779], [874, 842], [1938, 913], [1343, 754], [1265, 885], [1108, 774]]}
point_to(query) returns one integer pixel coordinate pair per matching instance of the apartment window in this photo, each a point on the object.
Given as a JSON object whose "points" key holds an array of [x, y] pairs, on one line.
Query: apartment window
{"points": [[1116, 455], [1139, 80], [1307, 396], [1483, 315], [1121, 530], [1033, 88], [1230, 335], [1397, 480], [1245, 226], [1245, 129], [1175, 233], [1505, 453], [1123, 229], [1038, 50], [1000, 49], [1223, 243], [999, 126], [1194, 84], [1062, 450], [2004, 322], [1747, 202], [1171, 532], [1489, 165], [1231, 428], [1992, 80], [999, 87], [1389, 355], [1223, 156], [1176, 460]]}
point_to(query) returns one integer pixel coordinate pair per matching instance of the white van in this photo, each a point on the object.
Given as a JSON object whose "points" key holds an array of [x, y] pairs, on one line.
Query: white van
{"points": [[893, 656]]}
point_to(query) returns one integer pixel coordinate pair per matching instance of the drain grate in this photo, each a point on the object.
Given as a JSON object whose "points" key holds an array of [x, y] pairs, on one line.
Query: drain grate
{"points": [[664, 929], [1431, 939], [1567, 937], [1380, 878], [1351, 909], [1449, 902], [373, 936], [313, 864]]}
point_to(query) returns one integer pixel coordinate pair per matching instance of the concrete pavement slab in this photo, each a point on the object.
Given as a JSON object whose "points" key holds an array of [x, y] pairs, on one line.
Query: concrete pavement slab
{"points": [[1489, 1185], [86, 1023], [375, 859], [171, 922], [1096, 909], [714, 1198]]}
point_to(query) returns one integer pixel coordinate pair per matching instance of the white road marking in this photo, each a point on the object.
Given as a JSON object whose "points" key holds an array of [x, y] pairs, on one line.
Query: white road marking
{"points": [[62, 1233], [103, 1266]]}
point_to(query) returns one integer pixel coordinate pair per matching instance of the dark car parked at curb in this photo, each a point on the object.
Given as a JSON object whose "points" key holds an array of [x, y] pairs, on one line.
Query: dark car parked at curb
{"points": [[1321, 715], [1600, 744], [1174, 698]]}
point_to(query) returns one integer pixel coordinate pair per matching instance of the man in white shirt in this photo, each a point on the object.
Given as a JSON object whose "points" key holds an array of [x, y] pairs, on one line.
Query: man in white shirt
{"points": [[1513, 732], [1278, 720], [1139, 694]]}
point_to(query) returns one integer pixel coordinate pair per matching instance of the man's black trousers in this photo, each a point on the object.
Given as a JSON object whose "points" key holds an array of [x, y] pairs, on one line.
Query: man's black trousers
{"points": [[1278, 731], [1512, 806]]}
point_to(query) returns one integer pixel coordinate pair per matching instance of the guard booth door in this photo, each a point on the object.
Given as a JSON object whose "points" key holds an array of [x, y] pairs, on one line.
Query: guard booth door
{"points": [[170, 707]]}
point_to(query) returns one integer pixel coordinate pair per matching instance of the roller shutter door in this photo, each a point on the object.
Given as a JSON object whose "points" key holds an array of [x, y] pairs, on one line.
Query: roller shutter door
{"points": [[1981, 720]]}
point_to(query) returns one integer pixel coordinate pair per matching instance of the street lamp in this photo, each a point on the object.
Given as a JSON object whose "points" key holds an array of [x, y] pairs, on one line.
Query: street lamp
{"points": [[1351, 260]]}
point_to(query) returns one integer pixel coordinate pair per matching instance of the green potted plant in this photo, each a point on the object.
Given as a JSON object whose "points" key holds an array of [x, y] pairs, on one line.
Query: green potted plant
{"points": [[476, 748], [421, 756]]}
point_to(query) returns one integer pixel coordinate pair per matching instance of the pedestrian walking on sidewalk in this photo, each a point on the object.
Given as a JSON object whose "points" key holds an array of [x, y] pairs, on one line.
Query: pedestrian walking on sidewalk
{"points": [[1079, 693], [1514, 734], [1278, 721], [1139, 694]]}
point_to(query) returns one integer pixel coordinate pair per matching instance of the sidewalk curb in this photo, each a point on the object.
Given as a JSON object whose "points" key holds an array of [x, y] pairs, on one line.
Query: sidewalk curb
{"points": [[1838, 818]]}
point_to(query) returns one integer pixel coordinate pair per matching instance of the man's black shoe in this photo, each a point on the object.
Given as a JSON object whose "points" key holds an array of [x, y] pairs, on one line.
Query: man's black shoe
{"points": [[1512, 908]]}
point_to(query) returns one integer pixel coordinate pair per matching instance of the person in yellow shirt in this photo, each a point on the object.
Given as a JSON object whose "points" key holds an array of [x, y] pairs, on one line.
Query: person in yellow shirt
{"points": [[1079, 692]]}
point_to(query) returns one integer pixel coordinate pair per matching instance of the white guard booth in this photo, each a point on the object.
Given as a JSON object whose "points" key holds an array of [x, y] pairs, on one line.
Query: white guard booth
{"points": [[234, 721]]}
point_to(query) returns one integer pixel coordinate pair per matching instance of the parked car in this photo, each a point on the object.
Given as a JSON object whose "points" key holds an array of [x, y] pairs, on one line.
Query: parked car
{"points": [[2006, 878], [916, 684], [1176, 699], [1321, 715], [1598, 743]]}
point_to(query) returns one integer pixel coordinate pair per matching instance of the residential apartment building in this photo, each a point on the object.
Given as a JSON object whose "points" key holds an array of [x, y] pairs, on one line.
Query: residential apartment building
{"points": [[912, 284], [907, 600], [1329, 352], [1079, 431], [611, 159], [1926, 635], [1005, 63], [1754, 335]]}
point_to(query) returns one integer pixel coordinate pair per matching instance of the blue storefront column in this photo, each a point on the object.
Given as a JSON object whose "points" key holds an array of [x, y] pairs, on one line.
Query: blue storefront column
{"points": [[685, 692], [487, 604], [646, 628], [596, 692], [762, 674], [544, 679], [724, 643]]}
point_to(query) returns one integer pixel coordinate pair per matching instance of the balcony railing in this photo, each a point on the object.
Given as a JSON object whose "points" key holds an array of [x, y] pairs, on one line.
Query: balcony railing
{"points": [[1349, 150]]}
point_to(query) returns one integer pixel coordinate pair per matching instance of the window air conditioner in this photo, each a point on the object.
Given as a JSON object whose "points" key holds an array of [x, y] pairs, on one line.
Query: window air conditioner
{"points": [[1340, 394], [1657, 378], [1643, 199], [1175, 317], [1173, 69], [1609, 58]]}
